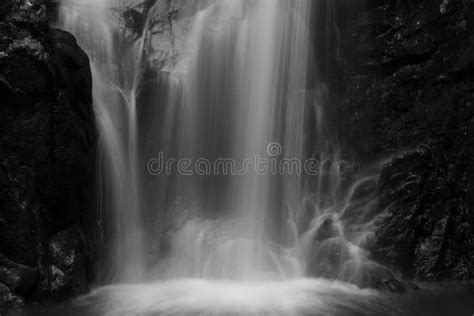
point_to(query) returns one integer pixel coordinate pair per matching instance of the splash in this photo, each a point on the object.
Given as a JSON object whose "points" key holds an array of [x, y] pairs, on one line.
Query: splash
{"points": [[203, 297]]}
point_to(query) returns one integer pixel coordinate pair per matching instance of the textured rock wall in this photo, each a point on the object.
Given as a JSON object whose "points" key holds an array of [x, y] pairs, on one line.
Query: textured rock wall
{"points": [[47, 143], [169, 27], [407, 77]]}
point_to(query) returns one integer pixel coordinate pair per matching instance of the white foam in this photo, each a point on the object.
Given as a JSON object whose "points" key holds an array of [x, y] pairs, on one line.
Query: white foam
{"points": [[210, 297]]}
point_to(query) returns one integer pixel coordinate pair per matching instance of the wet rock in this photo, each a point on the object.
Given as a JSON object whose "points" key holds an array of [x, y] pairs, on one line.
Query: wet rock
{"points": [[20, 278], [59, 281], [67, 263], [328, 258], [432, 207], [327, 229], [364, 189], [359, 210], [367, 274], [338, 259], [169, 26], [416, 104], [402, 103], [134, 21], [48, 141], [8, 300], [62, 248]]}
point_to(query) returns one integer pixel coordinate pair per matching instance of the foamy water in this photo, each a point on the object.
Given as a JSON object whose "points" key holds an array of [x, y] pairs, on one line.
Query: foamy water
{"points": [[206, 297]]}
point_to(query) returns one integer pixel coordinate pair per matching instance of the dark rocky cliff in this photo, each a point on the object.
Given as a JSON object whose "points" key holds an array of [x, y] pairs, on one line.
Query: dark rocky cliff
{"points": [[406, 70], [47, 143]]}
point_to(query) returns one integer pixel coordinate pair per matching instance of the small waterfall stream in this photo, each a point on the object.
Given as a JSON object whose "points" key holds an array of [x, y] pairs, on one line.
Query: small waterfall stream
{"points": [[267, 204], [115, 81]]}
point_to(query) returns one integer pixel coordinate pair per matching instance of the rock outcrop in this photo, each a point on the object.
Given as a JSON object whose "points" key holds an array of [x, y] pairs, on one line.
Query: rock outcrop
{"points": [[47, 143], [408, 92], [169, 26]]}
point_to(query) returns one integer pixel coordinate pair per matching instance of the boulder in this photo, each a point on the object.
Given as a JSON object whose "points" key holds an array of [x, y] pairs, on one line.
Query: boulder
{"points": [[18, 277], [328, 257], [368, 274], [8, 300], [327, 229], [48, 141], [169, 25], [67, 262]]}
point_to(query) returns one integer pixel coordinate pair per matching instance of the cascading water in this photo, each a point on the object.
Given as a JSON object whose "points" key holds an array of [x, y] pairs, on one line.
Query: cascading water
{"points": [[246, 91], [241, 92], [245, 82], [115, 82]]}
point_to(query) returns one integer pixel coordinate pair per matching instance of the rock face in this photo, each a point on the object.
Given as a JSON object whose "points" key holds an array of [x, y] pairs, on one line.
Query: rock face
{"points": [[8, 299], [408, 91], [169, 27], [20, 278], [430, 201], [47, 143]]}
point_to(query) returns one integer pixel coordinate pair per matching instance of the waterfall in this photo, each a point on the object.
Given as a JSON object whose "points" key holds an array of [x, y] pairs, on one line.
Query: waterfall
{"points": [[249, 187], [116, 76], [243, 90]]}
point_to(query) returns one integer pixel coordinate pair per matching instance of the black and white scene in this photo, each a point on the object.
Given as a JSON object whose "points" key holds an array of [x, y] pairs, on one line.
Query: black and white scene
{"points": [[236, 157]]}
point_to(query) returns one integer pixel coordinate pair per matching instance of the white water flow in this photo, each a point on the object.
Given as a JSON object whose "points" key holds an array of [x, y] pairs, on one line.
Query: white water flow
{"points": [[242, 90], [116, 77], [251, 234], [244, 82]]}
